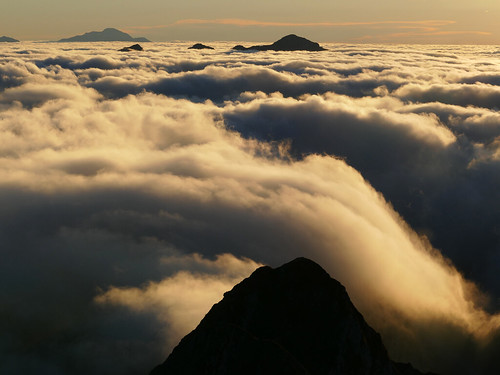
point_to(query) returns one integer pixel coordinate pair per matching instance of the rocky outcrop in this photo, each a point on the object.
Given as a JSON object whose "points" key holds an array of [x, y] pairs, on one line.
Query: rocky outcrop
{"points": [[6, 39], [294, 319], [290, 42], [107, 35], [200, 46], [239, 47], [135, 47]]}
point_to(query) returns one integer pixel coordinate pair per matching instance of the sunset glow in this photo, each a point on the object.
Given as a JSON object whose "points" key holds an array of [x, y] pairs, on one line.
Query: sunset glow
{"points": [[140, 180], [387, 21]]}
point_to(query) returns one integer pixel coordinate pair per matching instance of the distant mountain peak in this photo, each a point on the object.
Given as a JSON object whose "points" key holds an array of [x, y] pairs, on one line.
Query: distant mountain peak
{"points": [[294, 319], [289, 42], [107, 35], [6, 39], [200, 46], [135, 47]]}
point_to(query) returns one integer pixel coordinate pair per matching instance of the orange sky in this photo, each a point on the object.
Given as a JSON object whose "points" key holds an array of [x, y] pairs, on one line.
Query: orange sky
{"points": [[386, 21]]}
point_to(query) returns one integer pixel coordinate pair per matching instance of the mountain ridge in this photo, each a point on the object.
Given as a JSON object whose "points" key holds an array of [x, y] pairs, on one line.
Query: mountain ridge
{"points": [[7, 39], [289, 42], [107, 35], [294, 319], [200, 46]]}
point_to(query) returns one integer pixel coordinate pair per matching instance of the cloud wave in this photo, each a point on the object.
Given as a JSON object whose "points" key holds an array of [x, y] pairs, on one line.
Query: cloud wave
{"points": [[135, 189]]}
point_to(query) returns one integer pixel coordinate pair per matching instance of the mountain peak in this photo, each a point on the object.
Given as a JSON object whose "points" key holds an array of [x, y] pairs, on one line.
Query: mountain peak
{"points": [[303, 265], [293, 37], [294, 319], [293, 42], [289, 42], [7, 39], [107, 35], [135, 47], [200, 46]]}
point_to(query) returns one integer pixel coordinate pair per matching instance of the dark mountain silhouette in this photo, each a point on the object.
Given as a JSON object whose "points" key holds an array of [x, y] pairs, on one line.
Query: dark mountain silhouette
{"points": [[239, 47], [200, 46], [290, 42], [8, 39], [107, 35], [294, 319], [135, 47]]}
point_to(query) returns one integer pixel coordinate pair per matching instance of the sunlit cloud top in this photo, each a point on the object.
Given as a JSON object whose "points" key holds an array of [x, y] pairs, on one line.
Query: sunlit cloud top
{"points": [[137, 188]]}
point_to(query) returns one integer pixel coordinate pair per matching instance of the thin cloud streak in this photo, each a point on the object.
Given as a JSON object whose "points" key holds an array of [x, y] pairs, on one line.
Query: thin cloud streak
{"points": [[244, 22], [417, 30], [424, 25], [434, 33]]}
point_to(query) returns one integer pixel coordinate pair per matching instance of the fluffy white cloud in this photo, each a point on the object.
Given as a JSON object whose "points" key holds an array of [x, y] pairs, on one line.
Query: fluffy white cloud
{"points": [[180, 301], [124, 206]]}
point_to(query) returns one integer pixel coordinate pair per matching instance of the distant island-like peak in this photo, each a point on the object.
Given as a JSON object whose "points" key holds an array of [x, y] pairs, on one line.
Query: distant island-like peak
{"points": [[6, 39], [239, 47], [200, 46], [107, 35], [290, 42], [135, 47]]}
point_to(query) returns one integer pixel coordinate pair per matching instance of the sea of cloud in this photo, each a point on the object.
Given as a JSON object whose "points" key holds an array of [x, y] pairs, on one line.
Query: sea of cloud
{"points": [[135, 188]]}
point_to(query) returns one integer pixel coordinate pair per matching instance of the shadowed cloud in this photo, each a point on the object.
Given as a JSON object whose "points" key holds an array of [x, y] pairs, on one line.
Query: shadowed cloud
{"points": [[136, 188]]}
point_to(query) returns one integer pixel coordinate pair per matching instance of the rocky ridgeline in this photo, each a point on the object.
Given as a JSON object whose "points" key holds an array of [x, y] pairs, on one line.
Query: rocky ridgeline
{"points": [[200, 46], [290, 42], [107, 35], [294, 319], [135, 47], [6, 39]]}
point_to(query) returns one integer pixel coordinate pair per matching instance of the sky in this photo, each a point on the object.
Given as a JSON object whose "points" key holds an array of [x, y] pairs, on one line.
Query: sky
{"points": [[362, 21], [137, 187]]}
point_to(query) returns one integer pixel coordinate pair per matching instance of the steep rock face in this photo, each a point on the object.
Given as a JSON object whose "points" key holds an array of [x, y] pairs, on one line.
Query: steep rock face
{"points": [[294, 319], [107, 35], [290, 42], [7, 39]]}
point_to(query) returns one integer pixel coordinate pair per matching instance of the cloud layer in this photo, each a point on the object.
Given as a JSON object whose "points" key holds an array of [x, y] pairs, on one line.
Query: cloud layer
{"points": [[137, 188]]}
